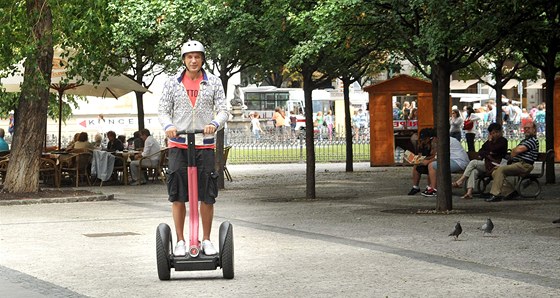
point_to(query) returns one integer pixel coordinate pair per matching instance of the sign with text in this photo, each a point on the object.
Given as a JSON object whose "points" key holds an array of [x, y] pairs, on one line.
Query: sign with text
{"points": [[405, 124]]}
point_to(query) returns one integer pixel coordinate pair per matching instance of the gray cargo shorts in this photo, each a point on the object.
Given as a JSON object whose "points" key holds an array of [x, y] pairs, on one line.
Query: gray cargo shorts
{"points": [[177, 187]]}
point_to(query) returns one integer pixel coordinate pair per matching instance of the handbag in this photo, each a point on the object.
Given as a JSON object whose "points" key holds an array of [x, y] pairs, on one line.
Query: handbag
{"points": [[468, 124]]}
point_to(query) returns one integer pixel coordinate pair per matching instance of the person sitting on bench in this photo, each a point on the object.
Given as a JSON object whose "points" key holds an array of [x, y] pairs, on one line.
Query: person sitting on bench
{"points": [[522, 159], [490, 154], [458, 160]]}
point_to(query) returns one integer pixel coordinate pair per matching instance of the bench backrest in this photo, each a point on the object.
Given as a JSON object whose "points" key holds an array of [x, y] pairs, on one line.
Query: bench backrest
{"points": [[543, 159]]}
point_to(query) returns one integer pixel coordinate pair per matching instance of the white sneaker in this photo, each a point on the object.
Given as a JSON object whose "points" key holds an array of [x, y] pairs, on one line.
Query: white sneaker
{"points": [[180, 249], [208, 248]]}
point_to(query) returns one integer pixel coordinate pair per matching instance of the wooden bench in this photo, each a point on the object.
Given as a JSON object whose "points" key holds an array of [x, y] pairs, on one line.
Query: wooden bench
{"points": [[528, 186]]}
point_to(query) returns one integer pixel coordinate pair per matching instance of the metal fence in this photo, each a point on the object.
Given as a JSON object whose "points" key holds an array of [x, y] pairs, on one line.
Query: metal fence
{"points": [[289, 147]]}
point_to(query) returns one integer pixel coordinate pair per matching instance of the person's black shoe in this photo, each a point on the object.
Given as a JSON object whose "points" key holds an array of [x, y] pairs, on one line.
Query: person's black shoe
{"points": [[413, 191], [512, 196], [485, 195], [493, 199]]}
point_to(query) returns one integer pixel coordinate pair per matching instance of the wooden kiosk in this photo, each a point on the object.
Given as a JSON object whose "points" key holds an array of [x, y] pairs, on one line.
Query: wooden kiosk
{"points": [[382, 135]]}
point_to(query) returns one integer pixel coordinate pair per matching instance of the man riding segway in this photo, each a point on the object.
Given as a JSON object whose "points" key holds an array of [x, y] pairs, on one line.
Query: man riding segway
{"points": [[193, 100]]}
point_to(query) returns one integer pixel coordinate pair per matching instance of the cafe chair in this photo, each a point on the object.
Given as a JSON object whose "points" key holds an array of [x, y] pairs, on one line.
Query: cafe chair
{"points": [[4, 154], [120, 169], [76, 166], [159, 172], [48, 172], [3, 169], [226, 171]]}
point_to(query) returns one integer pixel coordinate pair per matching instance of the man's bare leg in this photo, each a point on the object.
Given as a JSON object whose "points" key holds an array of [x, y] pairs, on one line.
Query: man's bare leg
{"points": [[179, 212], [207, 215]]}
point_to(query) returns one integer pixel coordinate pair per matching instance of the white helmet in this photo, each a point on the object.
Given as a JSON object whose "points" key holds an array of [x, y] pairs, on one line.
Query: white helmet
{"points": [[192, 46]]}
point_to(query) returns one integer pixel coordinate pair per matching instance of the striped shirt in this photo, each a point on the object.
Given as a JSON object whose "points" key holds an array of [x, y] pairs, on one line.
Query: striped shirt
{"points": [[532, 152]]}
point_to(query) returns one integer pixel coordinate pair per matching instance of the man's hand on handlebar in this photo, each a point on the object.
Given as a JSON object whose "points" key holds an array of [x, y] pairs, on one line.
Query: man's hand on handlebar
{"points": [[171, 132], [208, 130]]}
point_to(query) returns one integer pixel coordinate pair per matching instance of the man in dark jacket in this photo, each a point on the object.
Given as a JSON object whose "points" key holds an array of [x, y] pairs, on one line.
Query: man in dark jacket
{"points": [[490, 156]]}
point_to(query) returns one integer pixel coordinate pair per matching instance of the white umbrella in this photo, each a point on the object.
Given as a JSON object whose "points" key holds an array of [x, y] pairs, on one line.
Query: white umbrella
{"points": [[112, 86]]}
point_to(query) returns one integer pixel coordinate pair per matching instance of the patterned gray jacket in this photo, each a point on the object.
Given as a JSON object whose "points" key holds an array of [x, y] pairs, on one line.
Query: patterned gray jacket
{"points": [[175, 108]]}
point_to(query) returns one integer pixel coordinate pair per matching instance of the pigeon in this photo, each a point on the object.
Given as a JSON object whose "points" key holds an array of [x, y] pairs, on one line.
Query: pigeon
{"points": [[487, 227], [457, 231]]}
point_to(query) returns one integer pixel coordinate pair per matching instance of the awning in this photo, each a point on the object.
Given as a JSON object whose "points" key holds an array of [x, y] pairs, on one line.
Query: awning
{"points": [[537, 85], [510, 84], [470, 97], [461, 85]]}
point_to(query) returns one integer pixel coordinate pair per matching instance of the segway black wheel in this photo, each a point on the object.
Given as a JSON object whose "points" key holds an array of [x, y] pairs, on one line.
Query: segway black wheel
{"points": [[226, 252], [163, 250]]}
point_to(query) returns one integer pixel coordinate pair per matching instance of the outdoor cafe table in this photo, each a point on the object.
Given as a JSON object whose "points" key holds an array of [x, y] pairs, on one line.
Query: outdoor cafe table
{"points": [[126, 156]]}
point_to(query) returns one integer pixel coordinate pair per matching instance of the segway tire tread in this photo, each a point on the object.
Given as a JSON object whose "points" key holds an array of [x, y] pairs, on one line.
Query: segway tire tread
{"points": [[226, 258], [162, 250]]}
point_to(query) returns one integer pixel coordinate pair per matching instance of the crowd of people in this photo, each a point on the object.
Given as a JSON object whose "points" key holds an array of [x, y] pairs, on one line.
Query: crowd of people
{"points": [[285, 124], [409, 111], [141, 142], [492, 160], [473, 122]]}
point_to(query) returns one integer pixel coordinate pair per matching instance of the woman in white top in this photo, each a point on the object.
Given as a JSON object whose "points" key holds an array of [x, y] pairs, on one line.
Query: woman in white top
{"points": [[256, 126], [455, 123], [470, 129], [330, 124]]}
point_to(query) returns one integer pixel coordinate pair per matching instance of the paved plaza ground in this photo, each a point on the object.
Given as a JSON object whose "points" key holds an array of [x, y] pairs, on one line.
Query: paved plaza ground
{"points": [[362, 237]]}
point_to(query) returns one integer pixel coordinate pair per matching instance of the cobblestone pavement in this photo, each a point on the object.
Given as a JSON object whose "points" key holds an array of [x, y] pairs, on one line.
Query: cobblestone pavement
{"points": [[362, 236]]}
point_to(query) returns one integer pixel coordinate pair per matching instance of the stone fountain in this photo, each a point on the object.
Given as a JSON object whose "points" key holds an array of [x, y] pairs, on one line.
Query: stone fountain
{"points": [[237, 122]]}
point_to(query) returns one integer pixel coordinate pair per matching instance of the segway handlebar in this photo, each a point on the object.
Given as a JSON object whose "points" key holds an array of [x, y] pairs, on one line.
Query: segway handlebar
{"points": [[186, 132]]}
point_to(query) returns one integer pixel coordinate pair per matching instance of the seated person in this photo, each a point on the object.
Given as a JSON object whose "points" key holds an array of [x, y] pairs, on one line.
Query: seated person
{"points": [[136, 141], [97, 141], [522, 159], [458, 160], [114, 144], [3, 145], [82, 144], [122, 138], [70, 145], [427, 148], [151, 147], [491, 153]]}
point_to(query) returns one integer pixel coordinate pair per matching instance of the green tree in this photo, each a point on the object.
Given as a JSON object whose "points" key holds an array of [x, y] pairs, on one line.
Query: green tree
{"points": [[448, 36], [350, 51], [145, 39], [30, 29], [540, 43], [502, 63], [230, 39], [34, 41]]}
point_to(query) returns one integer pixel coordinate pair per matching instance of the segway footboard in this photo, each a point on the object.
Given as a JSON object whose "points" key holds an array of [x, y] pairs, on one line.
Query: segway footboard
{"points": [[201, 262]]}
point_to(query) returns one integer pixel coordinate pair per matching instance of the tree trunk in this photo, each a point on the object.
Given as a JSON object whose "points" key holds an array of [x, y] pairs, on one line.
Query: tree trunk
{"points": [[23, 169], [140, 106], [441, 100], [220, 137], [348, 125], [499, 91], [549, 114], [309, 139]]}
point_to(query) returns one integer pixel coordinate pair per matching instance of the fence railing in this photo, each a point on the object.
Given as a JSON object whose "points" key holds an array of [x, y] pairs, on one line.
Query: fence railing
{"points": [[288, 147]]}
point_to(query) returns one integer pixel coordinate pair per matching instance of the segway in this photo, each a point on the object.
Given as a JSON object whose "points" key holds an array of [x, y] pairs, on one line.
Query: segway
{"points": [[195, 259]]}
